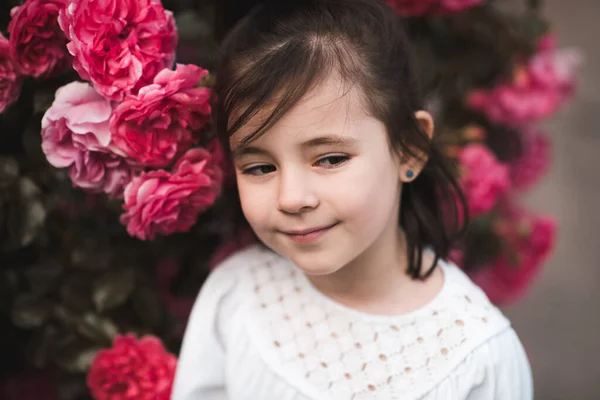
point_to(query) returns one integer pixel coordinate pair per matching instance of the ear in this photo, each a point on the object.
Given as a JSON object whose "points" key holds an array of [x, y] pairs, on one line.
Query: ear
{"points": [[412, 166]]}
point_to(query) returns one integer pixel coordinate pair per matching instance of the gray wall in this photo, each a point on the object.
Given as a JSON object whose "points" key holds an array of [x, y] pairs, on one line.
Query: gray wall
{"points": [[559, 320]]}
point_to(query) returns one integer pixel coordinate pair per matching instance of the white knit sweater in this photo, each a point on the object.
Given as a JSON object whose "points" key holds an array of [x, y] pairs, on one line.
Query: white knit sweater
{"points": [[260, 331]]}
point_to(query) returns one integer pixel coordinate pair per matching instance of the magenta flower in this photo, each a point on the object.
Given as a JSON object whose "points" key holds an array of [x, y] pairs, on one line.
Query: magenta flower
{"points": [[536, 91], [162, 202], [534, 161], [163, 120], [529, 240], [412, 8], [119, 46], [10, 79], [483, 179]]}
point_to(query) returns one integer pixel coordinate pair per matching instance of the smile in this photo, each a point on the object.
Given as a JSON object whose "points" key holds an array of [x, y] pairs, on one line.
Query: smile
{"points": [[308, 235]]}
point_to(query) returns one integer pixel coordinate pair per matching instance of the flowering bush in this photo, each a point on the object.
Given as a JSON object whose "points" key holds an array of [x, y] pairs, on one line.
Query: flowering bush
{"points": [[527, 242], [133, 369], [86, 265], [535, 91]]}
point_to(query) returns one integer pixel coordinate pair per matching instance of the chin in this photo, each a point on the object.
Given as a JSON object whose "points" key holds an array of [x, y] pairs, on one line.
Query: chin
{"points": [[317, 263]]}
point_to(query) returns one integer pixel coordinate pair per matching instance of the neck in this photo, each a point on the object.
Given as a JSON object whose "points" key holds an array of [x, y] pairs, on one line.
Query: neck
{"points": [[374, 282]]}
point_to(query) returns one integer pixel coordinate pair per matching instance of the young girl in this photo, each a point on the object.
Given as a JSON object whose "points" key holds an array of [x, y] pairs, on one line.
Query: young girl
{"points": [[347, 296]]}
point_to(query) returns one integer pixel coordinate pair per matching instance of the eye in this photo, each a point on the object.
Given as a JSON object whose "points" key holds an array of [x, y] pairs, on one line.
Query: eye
{"points": [[332, 160], [259, 170]]}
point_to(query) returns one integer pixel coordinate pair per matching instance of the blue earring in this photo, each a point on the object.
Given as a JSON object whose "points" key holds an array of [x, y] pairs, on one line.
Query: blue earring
{"points": [[410, 174]]}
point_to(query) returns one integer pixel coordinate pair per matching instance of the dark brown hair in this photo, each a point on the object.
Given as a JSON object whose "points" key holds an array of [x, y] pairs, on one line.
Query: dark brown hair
{"points": [[282, 49]]}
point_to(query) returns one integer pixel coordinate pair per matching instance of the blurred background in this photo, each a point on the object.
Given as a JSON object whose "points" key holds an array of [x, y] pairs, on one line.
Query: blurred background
{"points": [[75, 274], [559, 319]]}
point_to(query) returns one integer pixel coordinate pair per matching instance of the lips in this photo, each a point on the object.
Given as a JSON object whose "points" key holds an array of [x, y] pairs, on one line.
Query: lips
{"points": [[308, 235]]}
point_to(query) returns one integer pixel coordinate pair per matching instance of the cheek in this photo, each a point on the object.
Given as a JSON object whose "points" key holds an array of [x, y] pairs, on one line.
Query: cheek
{"points": [[255, 203], [368, 196]]}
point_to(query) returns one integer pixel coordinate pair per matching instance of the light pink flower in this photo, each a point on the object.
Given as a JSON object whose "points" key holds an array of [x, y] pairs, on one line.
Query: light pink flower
{"points": [[529, 241], [10, 79], [37, 45], [483, 179], [119, 46], [164, 119], [101, 172], [75, 134], [537, 90], [78, 120], [162, 202], [534, 161]]}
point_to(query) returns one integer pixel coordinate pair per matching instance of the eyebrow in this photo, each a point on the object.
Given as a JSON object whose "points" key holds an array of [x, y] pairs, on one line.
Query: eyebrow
{"points": [[328, 140]]}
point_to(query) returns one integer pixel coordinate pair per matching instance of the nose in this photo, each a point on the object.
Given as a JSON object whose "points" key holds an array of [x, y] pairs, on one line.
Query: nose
{"points": [[296, 194]]}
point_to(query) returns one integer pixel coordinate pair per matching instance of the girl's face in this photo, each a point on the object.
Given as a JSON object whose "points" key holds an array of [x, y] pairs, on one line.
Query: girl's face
{"points": [[322, 186]]}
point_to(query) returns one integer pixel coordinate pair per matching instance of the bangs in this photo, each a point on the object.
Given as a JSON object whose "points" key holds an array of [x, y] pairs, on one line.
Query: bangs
{"points": [[275, 82]]}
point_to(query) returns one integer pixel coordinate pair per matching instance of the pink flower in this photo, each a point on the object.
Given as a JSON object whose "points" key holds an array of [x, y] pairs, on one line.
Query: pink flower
{"points": [[483, 179], [10, 79], [537, 90], [161, 202], [75, 134], [132, 370], [411, 8], [534, 161], [77, 120], [37, 45], [448, 6], [162, 121], [119, 46], [529, 241], [546, 42], [101, 172]]}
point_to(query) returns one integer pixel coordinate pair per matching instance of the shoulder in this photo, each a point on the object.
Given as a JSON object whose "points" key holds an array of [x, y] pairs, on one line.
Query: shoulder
{"points": [[486, 358], [465, 300], [498, 369]]}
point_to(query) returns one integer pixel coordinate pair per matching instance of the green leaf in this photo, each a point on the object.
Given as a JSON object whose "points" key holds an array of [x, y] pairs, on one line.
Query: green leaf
{"points": [[72, 387], [148, 306], [75, 292], [30, 313], [97, 328], [9, 171], [42, 345], [78, 361], [113, 289], [43, 276]]}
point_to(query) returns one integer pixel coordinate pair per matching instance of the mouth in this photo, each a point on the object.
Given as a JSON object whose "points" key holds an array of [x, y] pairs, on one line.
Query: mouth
{"points": [[308, 235]]}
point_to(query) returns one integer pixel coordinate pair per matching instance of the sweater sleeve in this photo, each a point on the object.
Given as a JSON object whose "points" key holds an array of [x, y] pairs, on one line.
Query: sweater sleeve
{"points": [[201, 368]]}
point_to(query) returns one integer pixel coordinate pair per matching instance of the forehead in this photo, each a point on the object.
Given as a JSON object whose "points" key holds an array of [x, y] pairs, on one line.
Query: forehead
{"points": [[332, 107]]}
